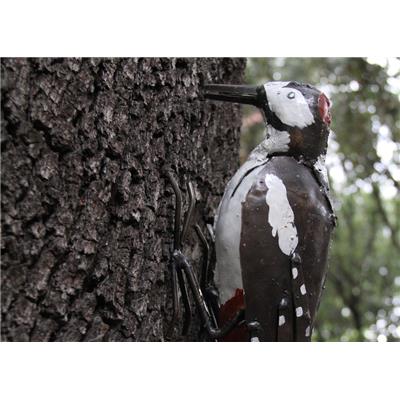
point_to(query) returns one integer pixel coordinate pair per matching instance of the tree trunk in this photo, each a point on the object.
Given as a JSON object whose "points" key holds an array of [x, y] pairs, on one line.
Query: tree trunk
{"points": [[87, 216]]}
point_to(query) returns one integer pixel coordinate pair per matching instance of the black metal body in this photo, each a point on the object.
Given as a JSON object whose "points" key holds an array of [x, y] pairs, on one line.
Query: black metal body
{"points": [[281, 290], [267, 272]]}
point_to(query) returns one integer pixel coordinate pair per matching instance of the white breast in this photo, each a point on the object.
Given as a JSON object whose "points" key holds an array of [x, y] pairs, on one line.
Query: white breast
{"points": [[228, 275]]}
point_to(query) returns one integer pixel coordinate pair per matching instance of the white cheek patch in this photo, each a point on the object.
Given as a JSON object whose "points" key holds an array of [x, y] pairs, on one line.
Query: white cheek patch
{"points": [[280, 215], [288, 104]]}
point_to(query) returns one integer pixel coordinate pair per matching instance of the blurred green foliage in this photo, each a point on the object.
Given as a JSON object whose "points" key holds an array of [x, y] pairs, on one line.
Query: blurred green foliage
{"points": [[362, 297]]}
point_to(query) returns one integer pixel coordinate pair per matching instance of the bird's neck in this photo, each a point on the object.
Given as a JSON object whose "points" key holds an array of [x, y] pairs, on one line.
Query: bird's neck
{"points": [[278, 142], [274, 142]]}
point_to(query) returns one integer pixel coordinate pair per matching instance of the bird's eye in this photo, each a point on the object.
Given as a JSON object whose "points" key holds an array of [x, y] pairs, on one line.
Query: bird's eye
{"points": [[291, 95]]}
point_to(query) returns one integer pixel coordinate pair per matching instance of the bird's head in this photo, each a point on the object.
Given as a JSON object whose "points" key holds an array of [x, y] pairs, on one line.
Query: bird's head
{"points": [[299, 110]]}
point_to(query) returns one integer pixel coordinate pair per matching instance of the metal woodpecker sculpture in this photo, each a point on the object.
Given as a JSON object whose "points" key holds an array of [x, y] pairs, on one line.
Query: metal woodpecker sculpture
{"points": [[273, 226]]}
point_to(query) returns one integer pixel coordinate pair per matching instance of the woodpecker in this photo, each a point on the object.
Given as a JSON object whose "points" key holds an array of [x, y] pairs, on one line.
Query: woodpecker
{"points": [[273, 225]]}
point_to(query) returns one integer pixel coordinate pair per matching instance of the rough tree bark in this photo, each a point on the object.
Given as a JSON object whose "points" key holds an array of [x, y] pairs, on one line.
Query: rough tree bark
{"points": [[87, 216]]}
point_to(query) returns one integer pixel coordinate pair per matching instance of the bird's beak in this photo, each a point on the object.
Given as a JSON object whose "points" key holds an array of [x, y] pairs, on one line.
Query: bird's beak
{"points": [[244, 94]]}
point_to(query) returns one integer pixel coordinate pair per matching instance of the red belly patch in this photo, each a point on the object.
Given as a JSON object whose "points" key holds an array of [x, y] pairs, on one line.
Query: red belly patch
{"points": [[227, 312]]}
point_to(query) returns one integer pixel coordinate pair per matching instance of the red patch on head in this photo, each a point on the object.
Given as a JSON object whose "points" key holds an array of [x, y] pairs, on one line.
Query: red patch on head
{"points": [[227, 312], [324, 109]]}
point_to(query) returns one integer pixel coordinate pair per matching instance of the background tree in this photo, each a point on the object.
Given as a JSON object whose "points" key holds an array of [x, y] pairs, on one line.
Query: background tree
{"points": [[86, 213], [362, 300]]}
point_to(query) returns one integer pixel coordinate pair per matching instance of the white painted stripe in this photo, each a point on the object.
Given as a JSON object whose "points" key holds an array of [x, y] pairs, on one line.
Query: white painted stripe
{"points": [[308, 331], [280, 214], [295, 272], [254, 339], [303, 289], [282, 320], [319, 165], [299, 312]]}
